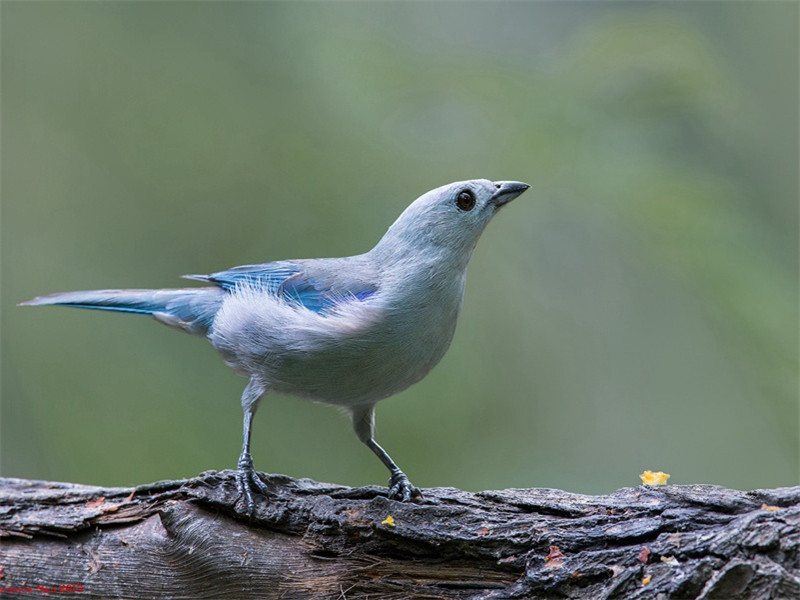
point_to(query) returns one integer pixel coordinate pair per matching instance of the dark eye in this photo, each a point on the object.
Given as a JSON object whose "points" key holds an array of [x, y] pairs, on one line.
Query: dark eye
{"points": [[465, 200]]}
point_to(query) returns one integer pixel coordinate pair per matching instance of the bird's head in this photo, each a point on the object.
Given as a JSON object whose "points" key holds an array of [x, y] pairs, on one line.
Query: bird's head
{"points": [[450, 219]]}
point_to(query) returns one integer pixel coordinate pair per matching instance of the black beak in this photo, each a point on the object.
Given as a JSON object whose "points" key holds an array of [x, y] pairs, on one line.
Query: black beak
{"points": [[507, 191]]}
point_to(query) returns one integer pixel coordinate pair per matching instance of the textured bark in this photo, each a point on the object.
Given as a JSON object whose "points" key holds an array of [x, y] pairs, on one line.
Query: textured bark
{"points": [[189, 539]]}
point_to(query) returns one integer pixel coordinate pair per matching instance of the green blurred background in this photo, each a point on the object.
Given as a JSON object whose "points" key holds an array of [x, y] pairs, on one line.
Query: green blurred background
{"points": [[637, 308]]}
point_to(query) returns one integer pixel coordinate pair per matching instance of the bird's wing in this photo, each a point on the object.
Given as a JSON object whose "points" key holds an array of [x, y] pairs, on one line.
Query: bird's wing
{"points": [[266, 276], [316, 285]]}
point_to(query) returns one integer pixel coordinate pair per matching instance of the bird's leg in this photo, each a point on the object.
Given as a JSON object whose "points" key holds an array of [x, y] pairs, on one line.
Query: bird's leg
{"points": [[246, 475], [400, 488]]}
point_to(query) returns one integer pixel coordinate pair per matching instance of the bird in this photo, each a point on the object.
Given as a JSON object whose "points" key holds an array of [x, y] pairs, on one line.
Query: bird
{"points": [[348, 331]]}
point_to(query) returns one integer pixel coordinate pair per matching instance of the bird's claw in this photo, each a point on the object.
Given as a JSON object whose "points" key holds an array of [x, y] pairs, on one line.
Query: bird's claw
{"points": [[400, 488], [246, 480]]}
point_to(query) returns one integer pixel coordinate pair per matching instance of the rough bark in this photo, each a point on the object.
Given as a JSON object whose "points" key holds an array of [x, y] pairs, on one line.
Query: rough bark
{"points": [[190, 539]]}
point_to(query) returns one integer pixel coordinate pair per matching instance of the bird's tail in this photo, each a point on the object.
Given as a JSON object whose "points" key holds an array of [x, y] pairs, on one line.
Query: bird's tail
{"points": [[191, 309]]}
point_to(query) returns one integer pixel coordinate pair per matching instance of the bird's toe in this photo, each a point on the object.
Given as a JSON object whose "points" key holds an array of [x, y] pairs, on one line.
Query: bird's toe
{"points": [[248, 481], [400, 488], [245, 494]]}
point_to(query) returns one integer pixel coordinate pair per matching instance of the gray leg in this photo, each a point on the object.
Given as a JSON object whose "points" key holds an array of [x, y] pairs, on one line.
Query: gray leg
{"points": [[246, 476], [400, 488]]}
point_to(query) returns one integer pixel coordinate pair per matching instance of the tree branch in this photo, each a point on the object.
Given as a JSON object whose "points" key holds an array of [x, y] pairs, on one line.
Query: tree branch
{"points": [[189, 539]]}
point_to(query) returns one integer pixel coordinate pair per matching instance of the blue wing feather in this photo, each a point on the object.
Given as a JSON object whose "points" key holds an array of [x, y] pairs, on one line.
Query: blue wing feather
{"points": [[268, 276], [294, 282]]}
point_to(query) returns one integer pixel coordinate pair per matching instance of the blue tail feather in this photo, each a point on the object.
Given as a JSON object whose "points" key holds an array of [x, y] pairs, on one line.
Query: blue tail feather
{"points": [[192, 309]]}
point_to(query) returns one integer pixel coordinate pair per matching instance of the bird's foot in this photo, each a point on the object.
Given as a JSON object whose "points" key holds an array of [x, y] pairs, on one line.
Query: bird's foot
{"points": [[400, 488], [246, 480]]}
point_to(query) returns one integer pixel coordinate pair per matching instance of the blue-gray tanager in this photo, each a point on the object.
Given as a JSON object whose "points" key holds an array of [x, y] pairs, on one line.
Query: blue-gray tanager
{"points": [[343, 331]]}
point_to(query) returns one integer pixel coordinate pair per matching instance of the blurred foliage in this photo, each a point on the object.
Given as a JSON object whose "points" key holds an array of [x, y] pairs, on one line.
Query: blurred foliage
{"points": [[636, 309]]}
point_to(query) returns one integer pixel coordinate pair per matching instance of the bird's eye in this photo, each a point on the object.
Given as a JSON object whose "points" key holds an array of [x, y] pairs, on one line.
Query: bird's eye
{"points": [[465, 200]]}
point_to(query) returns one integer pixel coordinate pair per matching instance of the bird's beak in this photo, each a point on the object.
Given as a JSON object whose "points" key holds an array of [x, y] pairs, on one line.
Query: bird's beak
{"points": [[507, 191]]}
